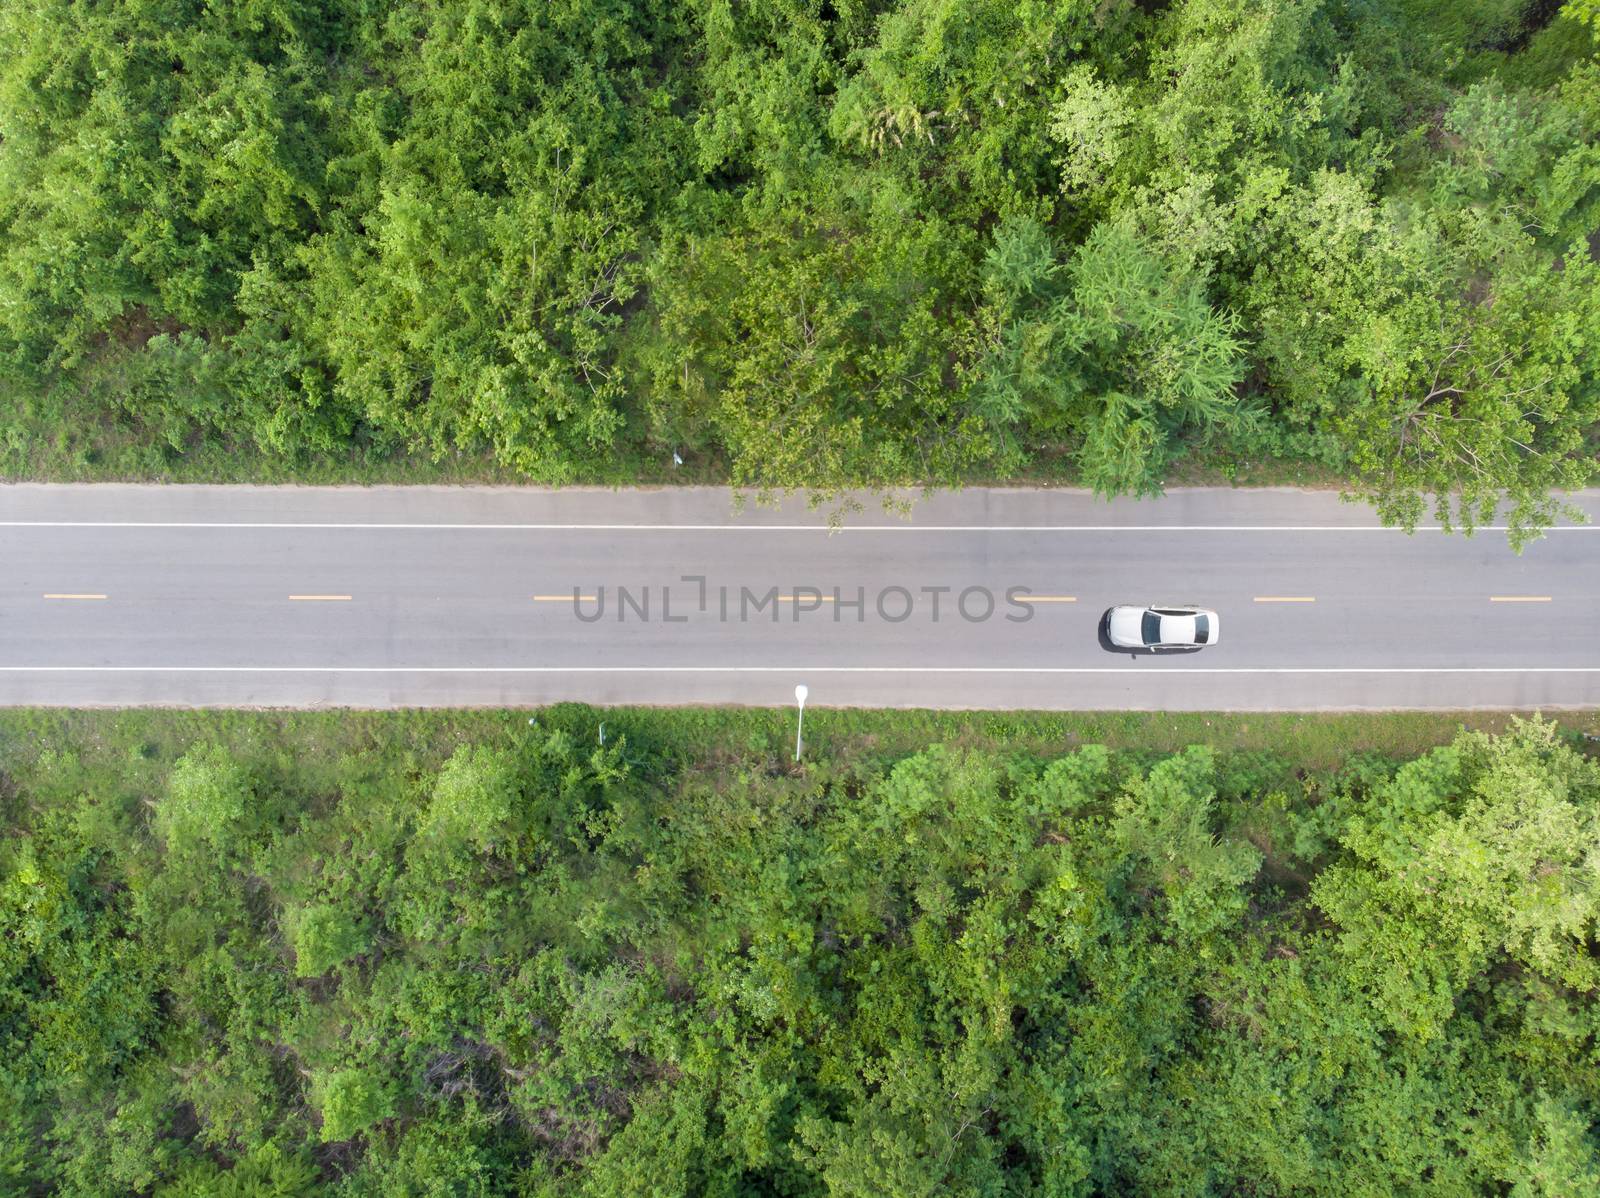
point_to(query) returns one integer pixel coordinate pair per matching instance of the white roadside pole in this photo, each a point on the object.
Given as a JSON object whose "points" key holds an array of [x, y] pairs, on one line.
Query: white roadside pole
{"points": [[800, 694]]}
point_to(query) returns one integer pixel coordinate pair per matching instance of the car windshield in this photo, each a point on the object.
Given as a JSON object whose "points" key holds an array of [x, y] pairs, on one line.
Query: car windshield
{"points": [[1151, 628], [1202, 630]]}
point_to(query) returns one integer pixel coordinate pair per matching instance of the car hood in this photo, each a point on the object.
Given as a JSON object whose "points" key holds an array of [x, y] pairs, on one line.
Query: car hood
{"points": [[1123, 626]]}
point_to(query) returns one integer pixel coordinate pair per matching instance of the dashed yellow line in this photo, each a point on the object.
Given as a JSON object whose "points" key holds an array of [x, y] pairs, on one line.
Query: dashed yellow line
{"points": [[320, 598], [69, 595], [1286, 598], [595, 599], [1519, 598]]}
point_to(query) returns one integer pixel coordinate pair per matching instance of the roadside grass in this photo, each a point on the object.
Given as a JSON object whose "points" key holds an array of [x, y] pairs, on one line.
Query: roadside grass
{"points": [[61, 438], [128, 753], [113, 455]]}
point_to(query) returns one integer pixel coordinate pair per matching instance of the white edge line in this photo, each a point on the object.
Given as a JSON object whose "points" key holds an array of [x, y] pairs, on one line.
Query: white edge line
{"points": [[823, 528], [1125, 671]]}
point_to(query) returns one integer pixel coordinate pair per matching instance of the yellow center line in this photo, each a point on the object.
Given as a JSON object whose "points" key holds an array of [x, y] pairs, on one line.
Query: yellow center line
{"points": [[593, 599], [1046, 599], [320, 598], [1286, 599], [67, 595], [1519, 598]]}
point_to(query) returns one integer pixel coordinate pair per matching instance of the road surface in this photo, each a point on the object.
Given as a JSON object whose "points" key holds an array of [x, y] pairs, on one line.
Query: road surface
{"points": [[421, 596]]}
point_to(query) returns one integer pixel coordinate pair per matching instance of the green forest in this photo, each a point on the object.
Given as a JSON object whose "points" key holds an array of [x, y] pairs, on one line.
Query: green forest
{"points": [[806, 243], [262, 956]]}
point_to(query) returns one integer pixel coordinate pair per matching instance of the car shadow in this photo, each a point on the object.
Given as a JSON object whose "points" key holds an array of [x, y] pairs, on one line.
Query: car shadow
{"points": [[1108, 646]]}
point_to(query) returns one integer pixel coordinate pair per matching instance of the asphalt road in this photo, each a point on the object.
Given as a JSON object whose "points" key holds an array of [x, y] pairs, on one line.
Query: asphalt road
{"points": [[989, 598]]}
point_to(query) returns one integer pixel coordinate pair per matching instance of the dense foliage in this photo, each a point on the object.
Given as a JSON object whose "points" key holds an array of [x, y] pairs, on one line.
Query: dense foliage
{"points": [[545, 968], [807, 242]]}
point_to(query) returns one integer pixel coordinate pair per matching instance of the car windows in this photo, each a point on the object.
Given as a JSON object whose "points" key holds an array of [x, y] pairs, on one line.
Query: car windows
{"points": [[1202, 630], [1150, 628]]}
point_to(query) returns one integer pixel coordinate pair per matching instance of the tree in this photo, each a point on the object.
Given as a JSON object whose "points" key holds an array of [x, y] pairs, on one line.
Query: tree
{"points": [[1482, 851], [1448, 339], [975, 970], [1585, 11], [1164, 821], [475, 800], [820, 349], [1493, 408], [1115, 350], [207, 799], [576, 240], [350, 1101], [324, 936]]}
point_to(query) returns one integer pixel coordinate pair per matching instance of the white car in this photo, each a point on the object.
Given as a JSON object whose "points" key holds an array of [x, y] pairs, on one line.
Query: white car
{"points": [[1161, 627]]}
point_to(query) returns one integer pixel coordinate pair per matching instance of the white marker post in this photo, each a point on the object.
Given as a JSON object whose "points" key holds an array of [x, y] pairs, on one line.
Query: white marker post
{"points": [[800, 694]]}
